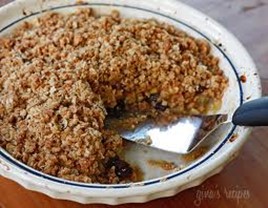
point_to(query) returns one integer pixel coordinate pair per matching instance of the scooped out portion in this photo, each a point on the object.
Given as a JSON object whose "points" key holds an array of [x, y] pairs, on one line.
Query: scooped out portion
{"points": [[62, 73]]}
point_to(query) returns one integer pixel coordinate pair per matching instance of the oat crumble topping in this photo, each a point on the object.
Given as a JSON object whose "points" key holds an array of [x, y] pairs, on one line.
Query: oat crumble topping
{"points": [[61, 74]]}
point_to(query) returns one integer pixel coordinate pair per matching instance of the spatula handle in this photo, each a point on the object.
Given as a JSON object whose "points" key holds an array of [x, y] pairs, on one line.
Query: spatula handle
{"points": [[252, 113]]}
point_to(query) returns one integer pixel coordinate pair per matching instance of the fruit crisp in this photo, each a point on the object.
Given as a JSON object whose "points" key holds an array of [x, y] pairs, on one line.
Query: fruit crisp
{"points": [[61, 73]]}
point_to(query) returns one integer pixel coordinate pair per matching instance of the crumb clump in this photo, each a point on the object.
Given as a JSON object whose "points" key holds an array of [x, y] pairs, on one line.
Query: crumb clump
{"points": [[61, 74], [165, 165], [243, 78]]}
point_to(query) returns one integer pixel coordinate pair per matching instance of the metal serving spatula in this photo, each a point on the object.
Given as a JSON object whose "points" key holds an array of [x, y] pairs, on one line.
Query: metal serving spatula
{"points": [[186, 133]]}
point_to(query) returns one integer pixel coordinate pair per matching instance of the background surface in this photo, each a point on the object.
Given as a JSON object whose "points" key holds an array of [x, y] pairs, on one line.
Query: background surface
{"points": [[243, 183]]}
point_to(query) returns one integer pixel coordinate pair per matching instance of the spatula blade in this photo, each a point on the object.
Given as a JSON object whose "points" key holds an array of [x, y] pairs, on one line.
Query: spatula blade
{"points": [[181, 136]]}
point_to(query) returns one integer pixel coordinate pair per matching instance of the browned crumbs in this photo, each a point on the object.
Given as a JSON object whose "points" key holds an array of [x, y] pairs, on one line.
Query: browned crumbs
{"points": [[233, 137], [60, 73], [165, 165], [243, 78], [195, 154]]}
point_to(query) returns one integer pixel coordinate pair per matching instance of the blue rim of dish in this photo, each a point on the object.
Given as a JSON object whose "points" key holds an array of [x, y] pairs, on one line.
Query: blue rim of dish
{"points": [[150, 182]]}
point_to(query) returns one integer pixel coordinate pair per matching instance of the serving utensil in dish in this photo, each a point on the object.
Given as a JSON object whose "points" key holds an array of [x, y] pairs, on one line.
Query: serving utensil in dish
{"points": [[186, 133], [157, 183]]}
